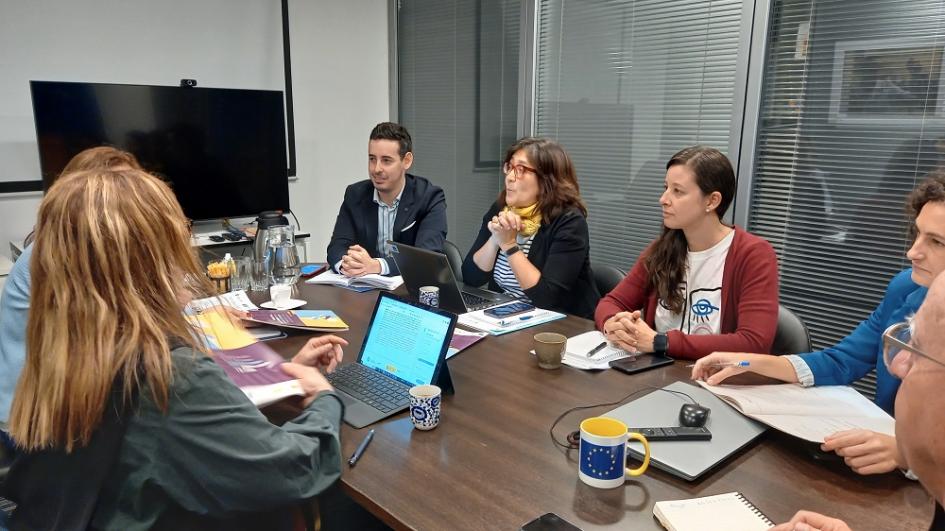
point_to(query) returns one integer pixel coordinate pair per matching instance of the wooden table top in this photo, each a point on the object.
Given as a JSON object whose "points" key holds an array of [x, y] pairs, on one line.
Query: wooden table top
{"points": [[491, 464]]}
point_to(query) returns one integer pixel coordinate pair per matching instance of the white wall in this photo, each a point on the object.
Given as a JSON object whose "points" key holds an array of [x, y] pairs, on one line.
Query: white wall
{"points": [[340, 72]]}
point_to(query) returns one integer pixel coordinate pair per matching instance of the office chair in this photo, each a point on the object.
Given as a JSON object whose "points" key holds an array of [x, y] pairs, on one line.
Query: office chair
{"points": [[455, 258], [606, 277], [792, 336]]}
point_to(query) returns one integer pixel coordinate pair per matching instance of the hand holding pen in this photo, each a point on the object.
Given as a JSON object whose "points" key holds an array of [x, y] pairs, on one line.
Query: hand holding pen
{"points": [[718, 366]]}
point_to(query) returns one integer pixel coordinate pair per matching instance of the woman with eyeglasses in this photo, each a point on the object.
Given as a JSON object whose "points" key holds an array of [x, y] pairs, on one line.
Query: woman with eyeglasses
{"points": [[864, 451], [702, 285], [534, 242]]}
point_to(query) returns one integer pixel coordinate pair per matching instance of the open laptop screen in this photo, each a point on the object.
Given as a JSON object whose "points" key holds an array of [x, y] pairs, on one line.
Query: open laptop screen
{"points": [[406, 341]]}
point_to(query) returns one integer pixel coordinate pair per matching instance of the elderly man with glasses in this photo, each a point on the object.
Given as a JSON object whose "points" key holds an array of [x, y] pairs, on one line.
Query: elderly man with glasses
{"points": [[914, 352]]}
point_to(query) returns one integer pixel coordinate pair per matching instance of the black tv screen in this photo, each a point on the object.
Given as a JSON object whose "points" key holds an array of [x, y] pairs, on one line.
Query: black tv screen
{"points": [[223, 151]]}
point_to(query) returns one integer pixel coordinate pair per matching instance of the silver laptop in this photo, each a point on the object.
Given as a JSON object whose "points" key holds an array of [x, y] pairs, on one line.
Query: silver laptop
{"points": [[405, 345], [731, 431], [421, 267]]}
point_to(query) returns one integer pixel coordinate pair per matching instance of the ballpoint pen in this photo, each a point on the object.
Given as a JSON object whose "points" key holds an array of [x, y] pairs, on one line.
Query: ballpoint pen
{"points": [[507, 322], [361, 448], [730, 364], [597, 349]]}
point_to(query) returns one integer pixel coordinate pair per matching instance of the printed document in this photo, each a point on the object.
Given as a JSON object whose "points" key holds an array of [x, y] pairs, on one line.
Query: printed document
{"points": [[811, 413]]}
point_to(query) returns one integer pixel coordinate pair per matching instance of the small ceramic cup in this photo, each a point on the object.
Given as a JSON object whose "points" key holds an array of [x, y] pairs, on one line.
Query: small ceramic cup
{"points": [[280, 294], [549, 349], [430, 295], [425, 406]]}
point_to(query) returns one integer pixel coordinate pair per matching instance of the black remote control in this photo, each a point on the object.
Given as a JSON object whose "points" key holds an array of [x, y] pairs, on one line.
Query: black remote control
{"points": [[675, 433], [216, 238]]}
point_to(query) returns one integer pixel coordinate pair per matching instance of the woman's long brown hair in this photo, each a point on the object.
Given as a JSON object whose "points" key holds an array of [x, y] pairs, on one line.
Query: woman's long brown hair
{"points": [[108, 272], [666, 261], [558, 188]]}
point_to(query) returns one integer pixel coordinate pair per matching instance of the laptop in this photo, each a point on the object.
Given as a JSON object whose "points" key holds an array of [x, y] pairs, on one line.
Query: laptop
{"points": [[731, 431], [405, 345], [420, 267]]}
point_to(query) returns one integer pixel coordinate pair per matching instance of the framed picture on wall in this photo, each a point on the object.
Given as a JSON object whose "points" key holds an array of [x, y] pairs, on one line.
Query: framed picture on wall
{"points": [[888, 81]]}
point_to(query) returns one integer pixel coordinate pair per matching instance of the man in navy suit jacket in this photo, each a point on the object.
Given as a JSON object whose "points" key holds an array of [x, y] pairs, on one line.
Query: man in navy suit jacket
{"points": [[391, 205]]}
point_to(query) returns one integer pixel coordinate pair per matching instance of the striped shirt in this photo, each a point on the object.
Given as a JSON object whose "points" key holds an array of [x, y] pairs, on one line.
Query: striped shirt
{"points": [[386, 214], [502, 272]]}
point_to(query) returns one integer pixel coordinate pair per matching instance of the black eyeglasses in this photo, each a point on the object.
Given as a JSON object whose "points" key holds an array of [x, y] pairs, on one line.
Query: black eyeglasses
{"points": [[897, 338]]}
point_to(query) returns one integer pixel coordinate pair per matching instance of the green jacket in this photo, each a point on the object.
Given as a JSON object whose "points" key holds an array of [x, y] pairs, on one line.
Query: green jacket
{"points": [[213, 455]]}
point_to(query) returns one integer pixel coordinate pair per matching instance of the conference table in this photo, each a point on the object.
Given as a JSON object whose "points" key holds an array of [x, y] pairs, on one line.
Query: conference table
{"points": [[491, 464]]}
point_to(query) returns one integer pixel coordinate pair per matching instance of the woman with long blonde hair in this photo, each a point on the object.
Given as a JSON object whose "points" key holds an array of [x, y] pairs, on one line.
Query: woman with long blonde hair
{"points": [[15, 301], [119, 400]]}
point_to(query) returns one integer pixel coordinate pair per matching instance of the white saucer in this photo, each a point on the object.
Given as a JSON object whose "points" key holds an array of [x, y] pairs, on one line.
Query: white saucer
{"points": [[290, 304]]}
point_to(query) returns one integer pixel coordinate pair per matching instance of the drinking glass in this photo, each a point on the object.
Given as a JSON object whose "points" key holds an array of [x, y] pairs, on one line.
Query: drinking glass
{"points": [[259, 275], [243, 273], [284, 264]]}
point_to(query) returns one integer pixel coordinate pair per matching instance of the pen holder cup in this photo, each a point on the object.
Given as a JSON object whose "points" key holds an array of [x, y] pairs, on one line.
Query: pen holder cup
{"points": [[549, 349], [218, 272]]}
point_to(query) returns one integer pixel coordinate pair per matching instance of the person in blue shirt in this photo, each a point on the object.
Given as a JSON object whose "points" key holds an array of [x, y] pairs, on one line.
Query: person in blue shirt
{"points": [[14, 309], [15, 301], [866, 452]]}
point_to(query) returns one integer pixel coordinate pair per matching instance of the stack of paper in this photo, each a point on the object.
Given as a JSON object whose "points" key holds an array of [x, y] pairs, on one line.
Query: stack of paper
{"points": [[233, 299], [253, 366], [811, 413], [478, 320], [367, 281]]}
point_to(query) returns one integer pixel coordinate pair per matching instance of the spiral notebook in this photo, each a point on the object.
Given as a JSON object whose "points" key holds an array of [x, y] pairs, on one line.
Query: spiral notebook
{"points": [[722, 512]]}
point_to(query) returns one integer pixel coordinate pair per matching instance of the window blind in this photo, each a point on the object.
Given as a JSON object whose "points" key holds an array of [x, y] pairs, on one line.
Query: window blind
{"points": [[851, 118], [458, 97], [623, 85]]}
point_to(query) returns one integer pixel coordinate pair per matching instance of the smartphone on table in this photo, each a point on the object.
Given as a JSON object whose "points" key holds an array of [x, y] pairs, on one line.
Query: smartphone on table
{"points": [[550, 522], [310, 270], [641, 362], [508, 310]]}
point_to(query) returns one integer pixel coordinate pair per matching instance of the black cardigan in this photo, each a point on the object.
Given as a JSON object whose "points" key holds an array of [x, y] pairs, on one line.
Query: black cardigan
{"points": [[561, 251]]}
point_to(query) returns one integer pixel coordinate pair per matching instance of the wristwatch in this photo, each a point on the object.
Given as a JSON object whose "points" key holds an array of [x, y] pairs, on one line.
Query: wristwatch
{"points": [[661, 343], [511, 250]]}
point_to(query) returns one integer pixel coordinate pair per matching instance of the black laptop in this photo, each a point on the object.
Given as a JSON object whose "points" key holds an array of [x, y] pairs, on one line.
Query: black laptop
{"points": [[420, 267], [405, 345]]}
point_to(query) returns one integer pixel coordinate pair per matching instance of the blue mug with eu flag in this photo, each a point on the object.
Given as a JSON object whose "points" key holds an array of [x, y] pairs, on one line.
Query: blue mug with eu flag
{"points": [[603, 453]]}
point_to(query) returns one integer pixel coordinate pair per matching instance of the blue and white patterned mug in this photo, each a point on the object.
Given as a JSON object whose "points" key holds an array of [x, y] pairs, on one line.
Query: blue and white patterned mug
{"points": [[430, 295], [425, 406]]}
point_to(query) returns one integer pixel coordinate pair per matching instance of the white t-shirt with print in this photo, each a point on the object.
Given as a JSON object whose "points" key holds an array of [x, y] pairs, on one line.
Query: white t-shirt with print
{"points": [[703, 293]]}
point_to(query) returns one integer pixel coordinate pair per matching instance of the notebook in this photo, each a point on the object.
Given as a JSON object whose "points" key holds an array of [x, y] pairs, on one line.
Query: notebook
{"points": [[722, 512], [368, 282]]}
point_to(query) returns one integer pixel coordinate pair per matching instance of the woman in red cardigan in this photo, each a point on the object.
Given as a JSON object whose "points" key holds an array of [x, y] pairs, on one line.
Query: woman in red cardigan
{"points": [[702, 286]]}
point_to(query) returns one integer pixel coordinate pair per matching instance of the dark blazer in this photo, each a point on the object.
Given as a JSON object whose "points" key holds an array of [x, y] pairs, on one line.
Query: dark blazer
{"points": [[561, 251], [420, 221]]}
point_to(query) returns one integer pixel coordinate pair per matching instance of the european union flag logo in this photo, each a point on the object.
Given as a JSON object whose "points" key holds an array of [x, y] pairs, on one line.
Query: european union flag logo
{"points": [[602, 462]]}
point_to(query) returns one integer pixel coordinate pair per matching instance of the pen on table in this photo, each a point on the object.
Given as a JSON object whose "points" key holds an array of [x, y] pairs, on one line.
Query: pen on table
{"points": [[731, 364], [507, 322], [360, 449], [597, 349]]}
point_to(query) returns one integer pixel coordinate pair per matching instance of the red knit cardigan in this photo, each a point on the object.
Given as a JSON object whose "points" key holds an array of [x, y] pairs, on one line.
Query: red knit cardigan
{"points": [[749, 301]]}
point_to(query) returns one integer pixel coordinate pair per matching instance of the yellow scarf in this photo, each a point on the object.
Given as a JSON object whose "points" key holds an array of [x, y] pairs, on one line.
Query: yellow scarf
{"points": [[531, 218]]}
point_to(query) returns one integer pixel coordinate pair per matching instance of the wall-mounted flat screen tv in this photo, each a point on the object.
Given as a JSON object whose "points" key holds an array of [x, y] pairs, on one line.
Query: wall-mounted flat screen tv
{"points": [[223, 151]]}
